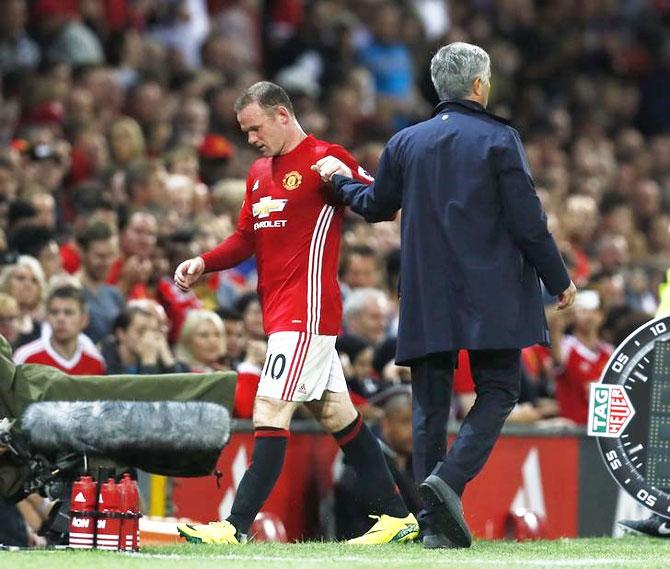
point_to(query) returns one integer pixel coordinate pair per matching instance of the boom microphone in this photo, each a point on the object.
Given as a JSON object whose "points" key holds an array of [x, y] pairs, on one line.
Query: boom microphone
{"points": [[131, 432]]}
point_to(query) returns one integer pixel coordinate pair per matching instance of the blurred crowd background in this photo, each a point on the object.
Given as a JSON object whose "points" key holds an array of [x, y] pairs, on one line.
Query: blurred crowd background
{"points": [[120, 156]]}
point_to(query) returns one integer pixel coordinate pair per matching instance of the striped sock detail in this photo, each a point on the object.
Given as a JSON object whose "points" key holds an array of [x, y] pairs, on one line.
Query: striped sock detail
{"points": [[350, 432], [270, 432]]}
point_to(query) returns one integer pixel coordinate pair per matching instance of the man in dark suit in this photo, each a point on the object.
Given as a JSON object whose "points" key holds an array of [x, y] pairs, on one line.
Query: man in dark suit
{"points": [[474, 241]]}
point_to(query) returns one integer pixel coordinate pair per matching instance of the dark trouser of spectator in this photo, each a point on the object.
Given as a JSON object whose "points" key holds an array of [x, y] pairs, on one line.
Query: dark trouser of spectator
{"points": [[496, 374]]}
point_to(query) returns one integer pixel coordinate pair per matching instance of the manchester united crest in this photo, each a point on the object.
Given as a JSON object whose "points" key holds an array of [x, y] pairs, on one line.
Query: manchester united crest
{"points": [[292, 180]]}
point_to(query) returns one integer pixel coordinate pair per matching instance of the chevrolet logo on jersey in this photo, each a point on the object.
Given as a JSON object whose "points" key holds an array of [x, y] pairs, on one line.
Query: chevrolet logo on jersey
{"points": [[267, 205]]}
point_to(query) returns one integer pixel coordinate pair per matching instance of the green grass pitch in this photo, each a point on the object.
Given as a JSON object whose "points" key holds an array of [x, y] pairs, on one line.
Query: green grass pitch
{"points": [[629, 552]]}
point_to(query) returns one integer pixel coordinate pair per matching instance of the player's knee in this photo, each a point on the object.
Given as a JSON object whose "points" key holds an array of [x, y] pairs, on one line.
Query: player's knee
{"points": [[272, 413], [326, 419], [337, 417]]}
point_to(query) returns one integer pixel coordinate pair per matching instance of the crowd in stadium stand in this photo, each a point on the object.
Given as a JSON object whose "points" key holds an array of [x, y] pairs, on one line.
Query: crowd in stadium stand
{"points": [[120, 156]]}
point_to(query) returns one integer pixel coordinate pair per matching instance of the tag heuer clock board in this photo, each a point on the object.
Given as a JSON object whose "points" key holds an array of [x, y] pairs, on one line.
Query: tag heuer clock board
{"points": [[629, 413]]}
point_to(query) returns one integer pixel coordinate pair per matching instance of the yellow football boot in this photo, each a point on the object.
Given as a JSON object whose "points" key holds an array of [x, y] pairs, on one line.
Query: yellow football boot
{"points": [[218, 533], [389, 529]]}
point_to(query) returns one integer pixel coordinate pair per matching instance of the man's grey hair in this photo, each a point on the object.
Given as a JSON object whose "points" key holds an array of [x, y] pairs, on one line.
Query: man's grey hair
{"points": [[454, 68], [357, 300]]}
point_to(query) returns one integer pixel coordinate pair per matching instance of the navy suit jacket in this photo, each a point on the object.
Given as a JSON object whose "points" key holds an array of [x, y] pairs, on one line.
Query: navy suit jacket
{"points": [[474, 237]]}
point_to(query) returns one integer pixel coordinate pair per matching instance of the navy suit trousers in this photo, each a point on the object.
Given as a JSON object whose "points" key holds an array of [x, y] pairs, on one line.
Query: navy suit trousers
{"points": [[497, 376]]}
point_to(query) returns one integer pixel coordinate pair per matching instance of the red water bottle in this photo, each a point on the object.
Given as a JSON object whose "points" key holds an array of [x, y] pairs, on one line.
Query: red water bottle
{"points": [[82, 513], [109, 517], [130, 509]]}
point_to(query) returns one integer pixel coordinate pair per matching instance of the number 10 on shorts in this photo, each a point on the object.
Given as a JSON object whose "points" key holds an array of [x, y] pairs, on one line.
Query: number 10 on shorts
{"points": [[275, 364]]}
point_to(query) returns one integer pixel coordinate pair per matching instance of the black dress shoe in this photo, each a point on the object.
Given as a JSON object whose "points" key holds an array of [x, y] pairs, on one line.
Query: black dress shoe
{"points": [[436, 541], [446, 509], [655, 526]]}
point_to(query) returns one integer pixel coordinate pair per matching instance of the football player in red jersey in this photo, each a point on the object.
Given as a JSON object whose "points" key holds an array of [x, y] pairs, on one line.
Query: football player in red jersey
{"points": [[289, 224]]}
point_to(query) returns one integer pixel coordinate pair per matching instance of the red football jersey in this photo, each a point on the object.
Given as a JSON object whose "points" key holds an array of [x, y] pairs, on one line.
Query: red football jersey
{"points": [[581, 367], [87, 360], [287, 222]]}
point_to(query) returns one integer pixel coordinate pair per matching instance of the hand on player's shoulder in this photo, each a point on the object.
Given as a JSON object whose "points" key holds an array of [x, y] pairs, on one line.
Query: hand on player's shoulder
{"points": [[328, 166]]}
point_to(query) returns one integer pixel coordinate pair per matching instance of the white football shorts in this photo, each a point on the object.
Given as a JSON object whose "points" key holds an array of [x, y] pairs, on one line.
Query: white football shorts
{"points": [[300, 367]]}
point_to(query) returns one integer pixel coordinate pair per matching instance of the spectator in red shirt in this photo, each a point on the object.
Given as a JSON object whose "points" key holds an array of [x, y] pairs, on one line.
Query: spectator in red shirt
{"points": [[62, 344], [580, 356]]}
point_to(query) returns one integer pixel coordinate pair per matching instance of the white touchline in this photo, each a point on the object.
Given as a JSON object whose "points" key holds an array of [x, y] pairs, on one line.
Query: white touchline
{"points": [[455, 560]]}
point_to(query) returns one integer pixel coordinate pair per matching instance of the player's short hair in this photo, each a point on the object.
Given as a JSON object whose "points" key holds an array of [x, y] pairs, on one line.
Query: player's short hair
{"points": [[455, 66], [71, 292], [267, 95]]}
